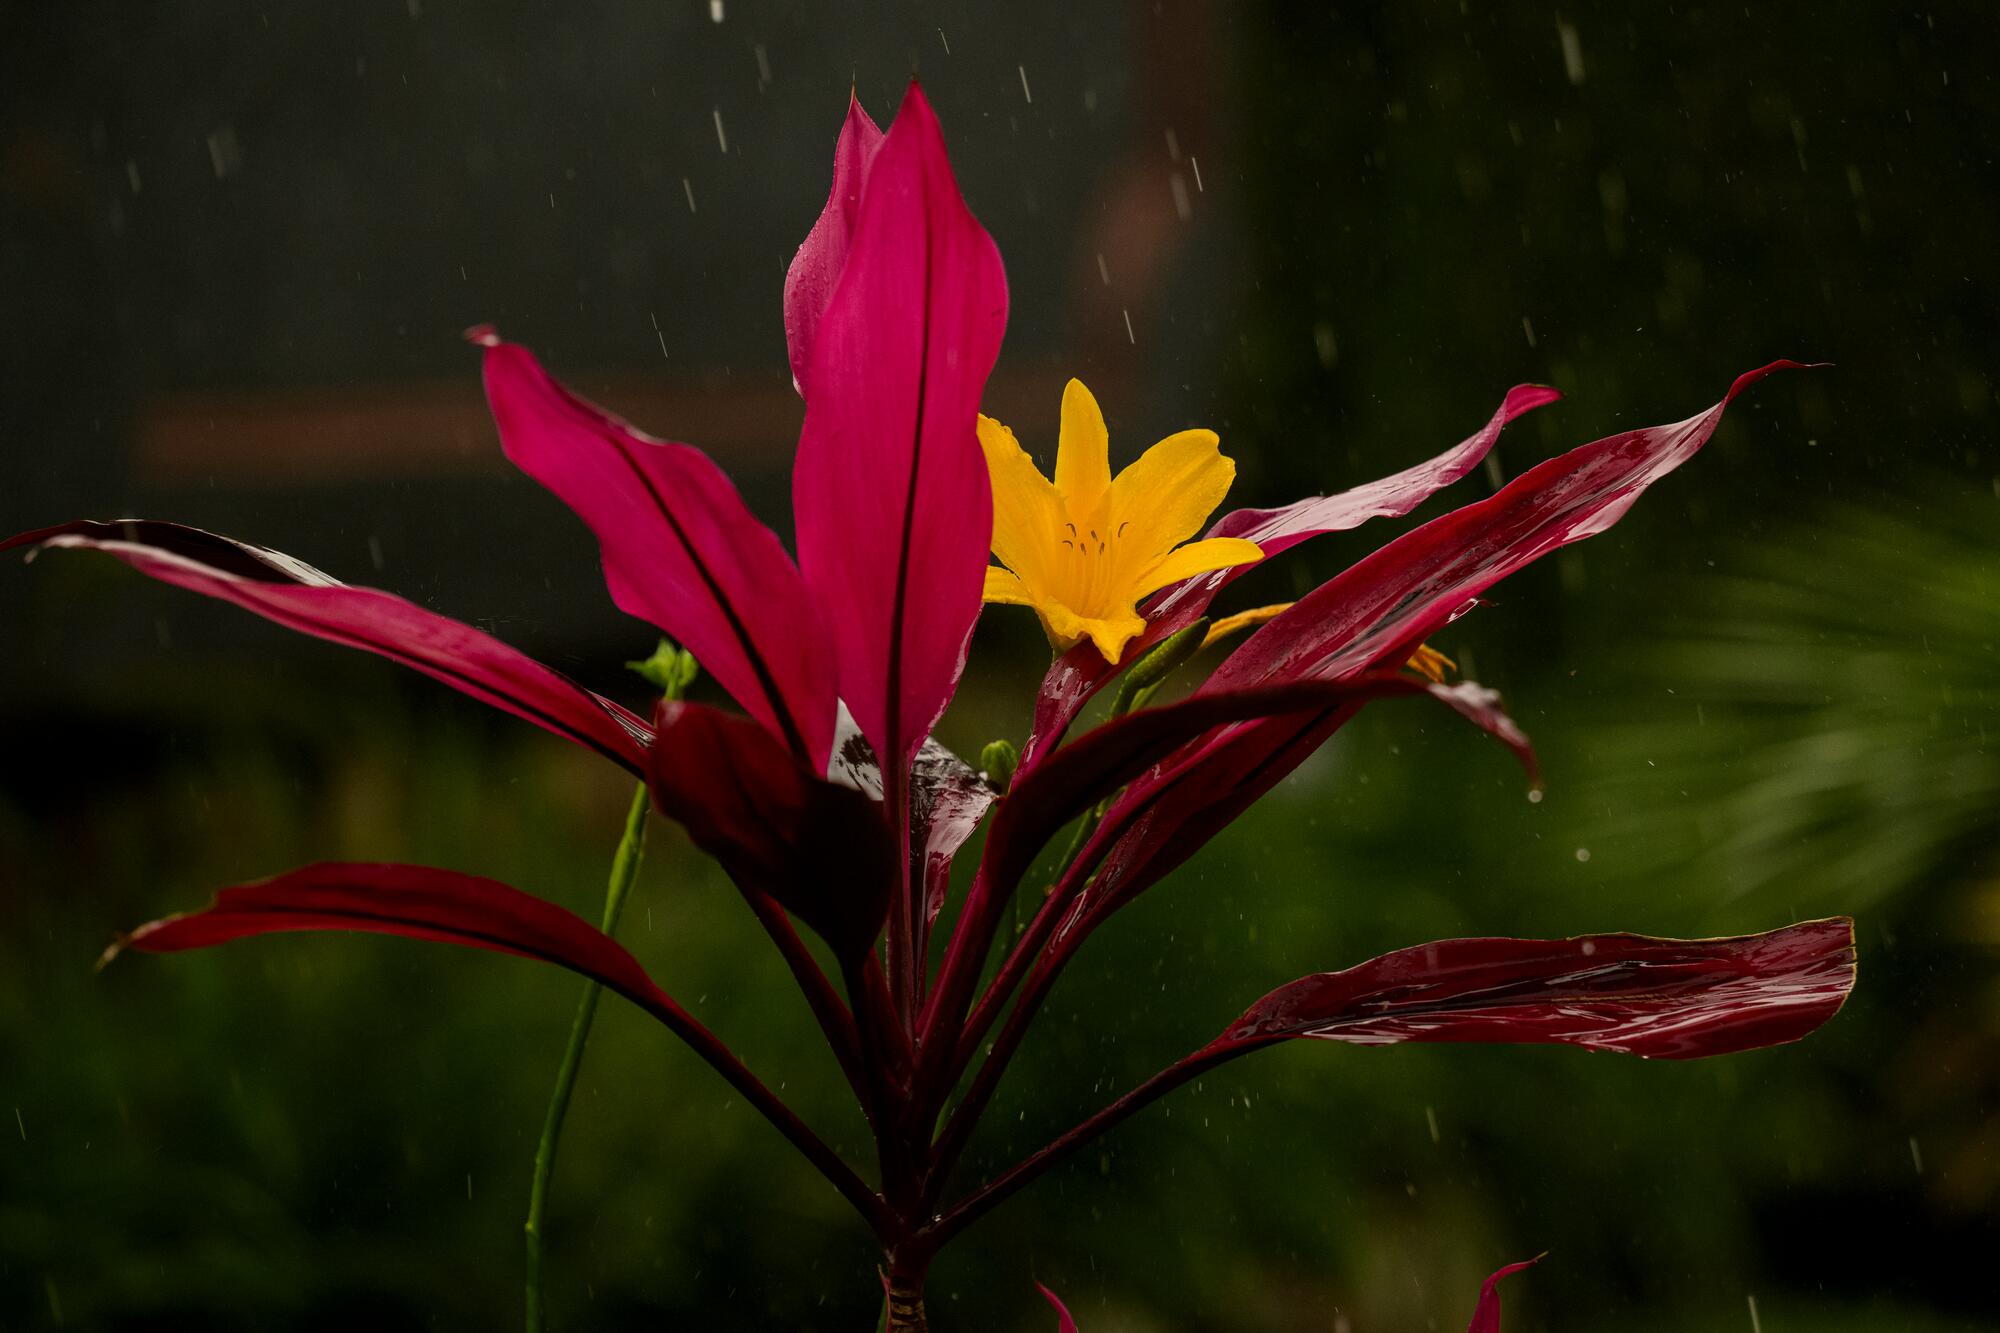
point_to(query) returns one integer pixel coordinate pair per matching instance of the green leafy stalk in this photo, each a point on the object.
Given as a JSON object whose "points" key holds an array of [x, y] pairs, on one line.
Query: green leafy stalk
{"points": [[672, 670]]}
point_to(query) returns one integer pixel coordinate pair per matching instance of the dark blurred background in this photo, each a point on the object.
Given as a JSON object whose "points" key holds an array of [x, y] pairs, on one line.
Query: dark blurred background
{"points": [[237, 247]]}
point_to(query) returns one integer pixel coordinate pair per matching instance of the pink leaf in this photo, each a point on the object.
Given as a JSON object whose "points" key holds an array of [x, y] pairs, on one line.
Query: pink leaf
{"points": [[816, 268], [820, 849], [680, 548], [1065, 1324], [299, 597], [890, 490], [1486, 1316], [1634, 994]]}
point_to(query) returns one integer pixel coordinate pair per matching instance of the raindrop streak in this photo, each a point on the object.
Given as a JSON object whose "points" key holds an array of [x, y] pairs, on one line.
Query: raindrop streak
{"points": [[1916, 1154], [715, 11], [1756, 1326], [721, 139], [1198, 187], [1024, 83], [1572, 46], [1105, 274], [1129, 336], [1527, 327], [763, 63], [688, 186], [225, 154], [24, 1127], [1431, 1115]]}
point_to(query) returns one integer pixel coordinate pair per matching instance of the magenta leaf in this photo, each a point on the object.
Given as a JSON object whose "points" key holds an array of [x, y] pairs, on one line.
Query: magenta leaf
{"points": [[299, 597], [1486, 1315], [1078, 674], [890, 489], [1104, 759], [809, 282], [1395, 598], [1634, 994], [1064, 1324], [818, 848], [681, 549]]}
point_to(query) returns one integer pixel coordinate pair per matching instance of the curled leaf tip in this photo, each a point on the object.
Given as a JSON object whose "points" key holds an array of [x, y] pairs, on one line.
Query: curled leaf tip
{"points": [[111, 952]]}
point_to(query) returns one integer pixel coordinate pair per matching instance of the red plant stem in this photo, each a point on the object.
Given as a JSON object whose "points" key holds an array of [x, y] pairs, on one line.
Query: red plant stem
{"points": [[990, 1195], [950, 1038], [964, 958], [902, 908], [951, 1054], [815, 1150], [834, 1019], [886, 1081], [965, 1116]]}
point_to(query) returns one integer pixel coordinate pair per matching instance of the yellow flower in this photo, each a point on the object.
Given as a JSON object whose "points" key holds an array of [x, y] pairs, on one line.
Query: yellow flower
{"points": [[1084, 549]]}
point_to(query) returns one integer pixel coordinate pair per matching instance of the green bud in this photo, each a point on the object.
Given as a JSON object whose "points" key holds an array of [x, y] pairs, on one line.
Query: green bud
{"points": [[670, 670], [1146, 676], [997, 761]]}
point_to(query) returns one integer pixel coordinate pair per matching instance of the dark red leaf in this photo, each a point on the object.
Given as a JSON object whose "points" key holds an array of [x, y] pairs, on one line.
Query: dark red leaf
{"points": [[1634, 994], [417, 902], [1098, 763], [1486, 1316], [1080, 673], [680, 547], [820, 849], [299, 597], [1362, 618]]}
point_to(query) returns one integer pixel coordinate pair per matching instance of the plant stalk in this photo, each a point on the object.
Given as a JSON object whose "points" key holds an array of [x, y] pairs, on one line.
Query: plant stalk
{"points": [[624, 870]]}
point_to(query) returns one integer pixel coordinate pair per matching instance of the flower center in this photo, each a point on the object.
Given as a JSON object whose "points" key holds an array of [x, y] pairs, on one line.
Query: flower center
{"points": [[1090, 565]]}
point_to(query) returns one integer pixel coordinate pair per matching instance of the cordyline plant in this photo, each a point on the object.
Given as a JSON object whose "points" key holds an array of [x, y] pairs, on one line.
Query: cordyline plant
{"points": [[829, 805]]}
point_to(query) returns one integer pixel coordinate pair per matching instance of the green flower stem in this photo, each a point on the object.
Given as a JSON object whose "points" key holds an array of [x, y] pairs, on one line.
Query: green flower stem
{"points": [[1140, 684], [624, 870]]}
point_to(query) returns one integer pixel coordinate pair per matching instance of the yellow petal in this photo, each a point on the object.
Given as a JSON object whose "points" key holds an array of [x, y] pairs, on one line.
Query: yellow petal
{"points": [[1109, 633], [1431, 664], [1196, 558], [1242, 620], [1083, 451], [1004, 586], [1165, 497], [1027, 512]]}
